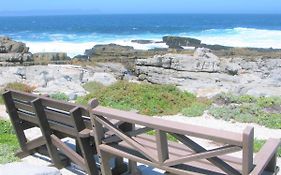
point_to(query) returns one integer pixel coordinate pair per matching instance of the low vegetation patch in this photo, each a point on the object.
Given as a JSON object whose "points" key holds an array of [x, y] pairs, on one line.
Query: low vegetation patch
{"points": [[261, 110], [59, 96], [8, 143], [1, 98], [16, 86], [258, 144], [149, 99], [20, 87]]}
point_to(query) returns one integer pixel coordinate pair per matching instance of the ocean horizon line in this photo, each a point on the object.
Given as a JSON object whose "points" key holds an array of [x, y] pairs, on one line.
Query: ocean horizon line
{"points": [[2, 14]]}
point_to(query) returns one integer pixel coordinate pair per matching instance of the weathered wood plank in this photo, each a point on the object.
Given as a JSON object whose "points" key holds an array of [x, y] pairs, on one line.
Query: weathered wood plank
{"points": [[32, 144], [203, 155], [46, 132], [72, 155], [194, 169], [53, 125], [15, 120], [162, 146], [248, 146], [215, 160], [265, 155], [130, 141], [228, 137], [113, 138], [84, 143]]}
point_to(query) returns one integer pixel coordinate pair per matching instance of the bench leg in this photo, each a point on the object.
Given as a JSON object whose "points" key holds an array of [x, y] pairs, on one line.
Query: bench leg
{"points": [[133, 168], [105, 166], [271, 167], [120, 167], [88, 156]]}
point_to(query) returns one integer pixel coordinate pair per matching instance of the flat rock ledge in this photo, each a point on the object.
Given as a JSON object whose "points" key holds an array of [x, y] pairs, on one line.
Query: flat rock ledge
{"points": [[24, 168]]}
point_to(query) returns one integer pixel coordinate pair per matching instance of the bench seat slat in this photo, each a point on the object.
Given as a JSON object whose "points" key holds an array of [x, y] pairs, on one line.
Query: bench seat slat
{"points": [[66, 106], [53, 125]]}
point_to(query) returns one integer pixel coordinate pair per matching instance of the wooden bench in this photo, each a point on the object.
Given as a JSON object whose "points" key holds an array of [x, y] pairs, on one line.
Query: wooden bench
{"points": [[56, 120], [185, 156]]}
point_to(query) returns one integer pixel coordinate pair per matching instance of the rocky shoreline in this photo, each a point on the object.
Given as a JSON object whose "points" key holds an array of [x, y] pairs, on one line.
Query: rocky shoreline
{"points": [[189, 64]]}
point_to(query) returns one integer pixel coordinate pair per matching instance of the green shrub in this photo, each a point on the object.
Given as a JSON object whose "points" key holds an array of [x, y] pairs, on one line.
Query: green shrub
{"points": [[59, 96], [6, 127], [1, 98], [8, 143], [249, 113], [264, 102], [261, 110], [93, 87], [149, 99], [169, 136], [258, 144], [20, 87], [196, 109]]}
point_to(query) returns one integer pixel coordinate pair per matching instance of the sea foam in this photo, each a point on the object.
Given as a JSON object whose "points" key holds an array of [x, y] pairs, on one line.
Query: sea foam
{"points": [[241, 37], [75, 44]]}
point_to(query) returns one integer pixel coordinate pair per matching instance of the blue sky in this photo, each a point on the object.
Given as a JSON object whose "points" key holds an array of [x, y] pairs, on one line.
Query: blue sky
{"points": [[29, 7]]}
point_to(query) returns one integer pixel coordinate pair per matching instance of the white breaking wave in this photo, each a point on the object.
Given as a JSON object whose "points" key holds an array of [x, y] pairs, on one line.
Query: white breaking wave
{"points": [[241, 37], [75, 48], [236, 37]]}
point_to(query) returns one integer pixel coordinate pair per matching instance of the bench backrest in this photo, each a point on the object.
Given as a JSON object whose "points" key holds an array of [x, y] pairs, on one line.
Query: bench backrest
{"points": [[56, 120], [232, 141]]}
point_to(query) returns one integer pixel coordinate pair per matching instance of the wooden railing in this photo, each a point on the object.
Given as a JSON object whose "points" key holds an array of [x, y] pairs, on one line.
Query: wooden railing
{"points": [[135, 146]]}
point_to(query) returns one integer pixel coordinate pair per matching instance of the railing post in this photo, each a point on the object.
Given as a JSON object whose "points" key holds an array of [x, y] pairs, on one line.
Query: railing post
{"points": [[162, 146], [84, 143], [248, 144], [99, 134]]}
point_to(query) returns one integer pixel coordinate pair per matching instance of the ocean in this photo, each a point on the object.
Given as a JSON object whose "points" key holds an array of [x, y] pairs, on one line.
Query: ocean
{"points": [[74, 34]]}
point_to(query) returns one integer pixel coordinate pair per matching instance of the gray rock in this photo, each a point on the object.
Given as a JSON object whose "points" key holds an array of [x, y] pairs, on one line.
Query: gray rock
{"points": [[177, 42], [232, 68], [23, 168], [72, 96], [21, 72], [142, 41], [104, 78], [15, 57], [108, 49], [10, 46], [204, 53], [81, 57], [206, 75], [50, 56]]}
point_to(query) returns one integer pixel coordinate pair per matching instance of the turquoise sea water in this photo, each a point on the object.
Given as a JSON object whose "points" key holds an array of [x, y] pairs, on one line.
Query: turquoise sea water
{"points": [[74, 34]]}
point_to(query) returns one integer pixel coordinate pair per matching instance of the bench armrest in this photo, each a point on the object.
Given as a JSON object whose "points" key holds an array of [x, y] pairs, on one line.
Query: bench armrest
{"points": [[85, 133], [265, 155]]}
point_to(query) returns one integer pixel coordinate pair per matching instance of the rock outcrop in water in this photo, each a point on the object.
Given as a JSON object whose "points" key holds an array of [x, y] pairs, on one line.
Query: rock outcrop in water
{"points": [[10, 46], [13, 51], [206, 75], [175, 42]]}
